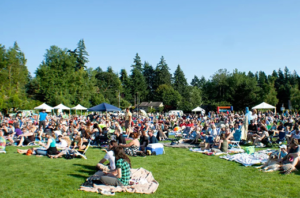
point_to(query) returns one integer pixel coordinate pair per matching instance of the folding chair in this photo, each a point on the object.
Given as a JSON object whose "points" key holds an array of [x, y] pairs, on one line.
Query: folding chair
{"points": [[236, 138]]}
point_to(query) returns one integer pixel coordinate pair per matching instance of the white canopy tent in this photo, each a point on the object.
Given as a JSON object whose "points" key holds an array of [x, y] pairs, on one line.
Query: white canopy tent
{"points": [[198, 109], [44, 106], [61, 107], [79, 107], [264, 105]]}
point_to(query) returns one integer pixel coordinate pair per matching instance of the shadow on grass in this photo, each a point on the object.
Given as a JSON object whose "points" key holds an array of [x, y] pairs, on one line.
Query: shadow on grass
{"points": [[87, 167], [78, 176], [89, 172]]}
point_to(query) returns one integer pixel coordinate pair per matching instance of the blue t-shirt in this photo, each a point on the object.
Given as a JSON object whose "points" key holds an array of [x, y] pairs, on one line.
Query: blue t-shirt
{"points": [[43, 116]]}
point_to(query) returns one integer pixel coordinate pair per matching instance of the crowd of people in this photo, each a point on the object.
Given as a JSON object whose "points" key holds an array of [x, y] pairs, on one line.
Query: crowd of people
{"points": [[60, 134]]}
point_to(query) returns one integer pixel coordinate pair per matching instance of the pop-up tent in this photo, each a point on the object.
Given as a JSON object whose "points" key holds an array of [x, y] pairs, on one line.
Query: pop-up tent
{"points": [[61, 107], [198, 109], [44, 106], [104, 107], [79, 107], [264, 105]]}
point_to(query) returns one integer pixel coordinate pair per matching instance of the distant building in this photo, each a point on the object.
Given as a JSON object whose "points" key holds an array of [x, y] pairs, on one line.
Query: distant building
{"points": [[150, 105]]}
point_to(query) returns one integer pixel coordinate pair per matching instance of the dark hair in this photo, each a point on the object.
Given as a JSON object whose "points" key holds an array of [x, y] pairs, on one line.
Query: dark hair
{"points": [[120, 154], [114, 143]]}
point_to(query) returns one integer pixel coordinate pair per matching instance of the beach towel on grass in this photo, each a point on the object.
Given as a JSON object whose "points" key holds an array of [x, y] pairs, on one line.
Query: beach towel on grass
{"points": [[143, 182], [232, 150], [248, 159]]}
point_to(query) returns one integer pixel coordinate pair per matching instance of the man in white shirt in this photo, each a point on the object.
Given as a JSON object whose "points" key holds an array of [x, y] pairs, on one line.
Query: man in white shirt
{"points": [[110, 157]]}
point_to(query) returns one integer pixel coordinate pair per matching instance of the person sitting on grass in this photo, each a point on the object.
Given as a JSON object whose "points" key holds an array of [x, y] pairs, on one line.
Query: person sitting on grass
{"points": [[262, 137], [108, 157], [222, 144], [144, 141], [51, 144], [80, 143], [160, 132], [152, 138], [132, 147], [122, 175], [293, 154], [63, 142], [26, 138], [198, 135], [2, 142], [119, 137]]}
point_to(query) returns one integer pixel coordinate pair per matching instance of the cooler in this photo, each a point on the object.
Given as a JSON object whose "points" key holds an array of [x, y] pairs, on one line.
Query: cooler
{"points": [[157, 147]]}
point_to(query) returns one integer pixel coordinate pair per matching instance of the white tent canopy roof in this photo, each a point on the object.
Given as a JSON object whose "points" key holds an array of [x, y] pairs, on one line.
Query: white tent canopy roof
{"points": [[264, 106], [197, 109], [79, 107], [61, 106], [44, 106]]}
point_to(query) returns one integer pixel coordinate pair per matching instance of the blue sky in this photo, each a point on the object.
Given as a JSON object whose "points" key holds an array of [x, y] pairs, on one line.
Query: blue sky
{"points": [[200, 35]]}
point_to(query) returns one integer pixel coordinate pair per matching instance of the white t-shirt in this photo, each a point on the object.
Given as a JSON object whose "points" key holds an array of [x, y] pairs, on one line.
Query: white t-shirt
{"points": [[111, 158], [62, 144]]}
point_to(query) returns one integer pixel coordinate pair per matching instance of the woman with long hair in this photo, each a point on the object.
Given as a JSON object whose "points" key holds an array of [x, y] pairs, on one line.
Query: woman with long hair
{"points": [[123, 165]]}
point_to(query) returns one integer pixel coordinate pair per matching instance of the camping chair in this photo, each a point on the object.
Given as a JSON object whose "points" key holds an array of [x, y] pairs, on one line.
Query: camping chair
{"points": [[236, 138]]}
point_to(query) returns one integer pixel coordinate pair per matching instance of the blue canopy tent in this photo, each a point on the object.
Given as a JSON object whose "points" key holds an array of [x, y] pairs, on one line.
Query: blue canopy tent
{"points": [[104, 107]]}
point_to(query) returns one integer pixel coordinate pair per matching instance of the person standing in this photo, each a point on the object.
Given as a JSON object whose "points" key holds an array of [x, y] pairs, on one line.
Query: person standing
{"points": [[128, 119], [42, 119]]}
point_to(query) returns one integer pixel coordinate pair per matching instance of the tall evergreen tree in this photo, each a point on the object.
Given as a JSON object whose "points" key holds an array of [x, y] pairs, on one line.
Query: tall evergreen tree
{"points": [[137, 62], [149, 75], [126, 86], [180, 84], [81, 55], [14, 78], [195, 81], [162, 74], [138, 85]]}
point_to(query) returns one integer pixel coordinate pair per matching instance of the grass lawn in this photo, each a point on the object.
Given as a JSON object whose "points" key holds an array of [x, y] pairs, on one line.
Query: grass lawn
{"points": [[180, 173]]}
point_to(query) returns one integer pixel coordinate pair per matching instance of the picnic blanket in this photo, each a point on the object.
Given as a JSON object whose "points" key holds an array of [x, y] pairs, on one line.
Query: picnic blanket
{"points": [[181, 145], [142, 182], [247, 159], [232, 150]]}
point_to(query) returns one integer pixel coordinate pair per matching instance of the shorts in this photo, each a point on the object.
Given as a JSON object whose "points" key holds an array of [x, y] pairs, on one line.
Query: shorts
{"points": [[127, 124], [27, 141], [209, 140]]}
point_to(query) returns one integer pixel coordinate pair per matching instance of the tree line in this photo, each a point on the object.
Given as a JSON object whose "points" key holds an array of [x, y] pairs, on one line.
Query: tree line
{"points": [[63, 77]]}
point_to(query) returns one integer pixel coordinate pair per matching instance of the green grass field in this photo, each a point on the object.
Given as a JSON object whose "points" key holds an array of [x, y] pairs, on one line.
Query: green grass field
{"points": [[180, 173]]}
